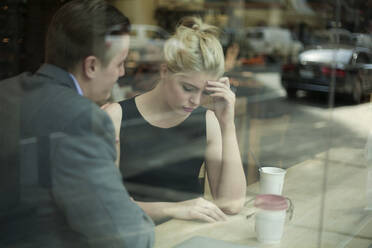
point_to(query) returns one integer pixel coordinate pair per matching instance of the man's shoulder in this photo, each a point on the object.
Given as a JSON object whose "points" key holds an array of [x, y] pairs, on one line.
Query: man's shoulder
{"points": [[68, 106], [54, 106], [57, 99], [68, 99], [13, 85], [15, 78]]}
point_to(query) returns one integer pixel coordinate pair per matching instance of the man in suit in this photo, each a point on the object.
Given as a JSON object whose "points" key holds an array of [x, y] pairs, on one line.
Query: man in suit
{"points": [[60, 185]]}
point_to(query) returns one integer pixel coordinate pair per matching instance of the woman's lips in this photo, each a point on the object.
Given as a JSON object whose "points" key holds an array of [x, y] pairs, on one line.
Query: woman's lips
{"points": [[189, 110]]}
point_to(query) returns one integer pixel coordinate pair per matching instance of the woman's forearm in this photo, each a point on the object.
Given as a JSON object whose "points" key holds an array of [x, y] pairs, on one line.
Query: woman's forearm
{"points": [[158, 211], [232, 184], [197, 208]]}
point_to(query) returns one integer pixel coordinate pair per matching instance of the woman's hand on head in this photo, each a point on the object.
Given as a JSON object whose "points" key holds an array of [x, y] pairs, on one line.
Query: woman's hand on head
{"points": [[197, 209], [223, 99]]}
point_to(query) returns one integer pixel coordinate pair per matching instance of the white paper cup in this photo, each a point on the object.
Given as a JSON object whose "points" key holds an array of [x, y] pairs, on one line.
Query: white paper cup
{"points": [[271, 180], [270, 218]]}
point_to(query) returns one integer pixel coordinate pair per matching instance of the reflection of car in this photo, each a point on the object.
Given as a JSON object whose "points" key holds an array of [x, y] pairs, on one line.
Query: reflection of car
{"points": [[253, 41], [272, 40], [363, 40], [148, 41], [145, 55], [316, 67], [332, 36]]}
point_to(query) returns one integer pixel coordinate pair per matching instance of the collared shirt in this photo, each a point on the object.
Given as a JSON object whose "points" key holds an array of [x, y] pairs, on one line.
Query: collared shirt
{"points": [[79, 90]]}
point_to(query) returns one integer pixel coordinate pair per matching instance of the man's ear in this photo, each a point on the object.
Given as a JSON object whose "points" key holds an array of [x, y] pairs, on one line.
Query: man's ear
{"points": [[163, 70], [90, 66]]}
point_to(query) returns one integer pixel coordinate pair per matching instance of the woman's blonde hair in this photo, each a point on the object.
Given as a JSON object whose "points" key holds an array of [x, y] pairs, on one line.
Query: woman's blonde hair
{"points": [[194, 47]]}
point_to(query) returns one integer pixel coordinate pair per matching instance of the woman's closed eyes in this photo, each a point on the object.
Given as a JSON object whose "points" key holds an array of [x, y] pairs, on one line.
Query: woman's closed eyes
{"points": [[189, 88]]}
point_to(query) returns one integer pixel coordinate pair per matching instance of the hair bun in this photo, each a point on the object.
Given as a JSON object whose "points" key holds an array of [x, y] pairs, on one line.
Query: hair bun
{"points": [[196, 24], [196, 27], [191, 22], [194, 47]]}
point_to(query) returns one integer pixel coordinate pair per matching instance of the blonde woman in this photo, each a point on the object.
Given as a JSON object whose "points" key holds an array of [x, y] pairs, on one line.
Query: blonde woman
{"points": [[170, 116]]}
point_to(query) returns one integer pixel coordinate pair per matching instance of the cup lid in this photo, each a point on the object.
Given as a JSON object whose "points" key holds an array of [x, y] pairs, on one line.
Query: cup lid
{"points": [[271, 202], [272, 170]]}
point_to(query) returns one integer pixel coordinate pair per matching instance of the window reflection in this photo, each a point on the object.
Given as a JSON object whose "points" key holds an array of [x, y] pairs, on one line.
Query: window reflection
{"points": [[302, 75]]}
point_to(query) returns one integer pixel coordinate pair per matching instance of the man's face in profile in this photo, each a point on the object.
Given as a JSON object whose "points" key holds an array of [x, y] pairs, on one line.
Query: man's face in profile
{"points": [[107, 75]]}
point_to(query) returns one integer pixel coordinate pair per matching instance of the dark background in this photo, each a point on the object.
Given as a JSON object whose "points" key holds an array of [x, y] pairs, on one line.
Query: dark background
{"points": [[23, 24]]}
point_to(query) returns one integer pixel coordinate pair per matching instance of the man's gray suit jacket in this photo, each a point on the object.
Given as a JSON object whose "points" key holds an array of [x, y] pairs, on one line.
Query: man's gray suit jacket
{"points": [[60, 146]]}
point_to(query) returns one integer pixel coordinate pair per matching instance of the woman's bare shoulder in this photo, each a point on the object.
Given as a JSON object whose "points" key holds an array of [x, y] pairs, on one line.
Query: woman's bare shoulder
{"points": [[113, 109]]}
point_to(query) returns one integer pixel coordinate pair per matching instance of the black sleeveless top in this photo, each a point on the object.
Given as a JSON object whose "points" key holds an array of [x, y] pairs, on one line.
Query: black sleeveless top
{"points": [[161, 164]]}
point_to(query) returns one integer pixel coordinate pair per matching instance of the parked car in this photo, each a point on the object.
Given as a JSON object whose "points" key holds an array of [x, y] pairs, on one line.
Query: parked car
{"points": [[351, 67]]}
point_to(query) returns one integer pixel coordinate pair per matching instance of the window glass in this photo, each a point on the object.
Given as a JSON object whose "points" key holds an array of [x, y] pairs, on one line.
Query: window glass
{"points": [[296, 80]]}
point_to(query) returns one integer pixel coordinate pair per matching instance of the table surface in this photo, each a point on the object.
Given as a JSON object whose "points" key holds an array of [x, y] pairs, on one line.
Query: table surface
{"points": [[329, 197]]}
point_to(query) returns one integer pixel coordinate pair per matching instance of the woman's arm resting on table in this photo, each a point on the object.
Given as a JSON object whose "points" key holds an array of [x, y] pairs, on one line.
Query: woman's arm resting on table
{"points": [[223, 163], [195, 209]]}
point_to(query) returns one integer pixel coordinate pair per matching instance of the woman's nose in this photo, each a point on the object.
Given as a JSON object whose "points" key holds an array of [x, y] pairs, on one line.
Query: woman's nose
{"points": [[195, 99]]}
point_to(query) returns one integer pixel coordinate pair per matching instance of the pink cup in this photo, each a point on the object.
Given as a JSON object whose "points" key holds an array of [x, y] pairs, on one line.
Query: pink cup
{"points": [[270, 217]]}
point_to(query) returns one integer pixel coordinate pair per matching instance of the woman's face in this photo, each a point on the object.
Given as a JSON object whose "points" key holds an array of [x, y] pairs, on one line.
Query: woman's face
{"points": [[185, 92]]}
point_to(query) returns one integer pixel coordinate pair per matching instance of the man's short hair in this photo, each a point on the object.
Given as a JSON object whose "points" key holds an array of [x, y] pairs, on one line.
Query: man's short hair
{"points": [[79, 29]]}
